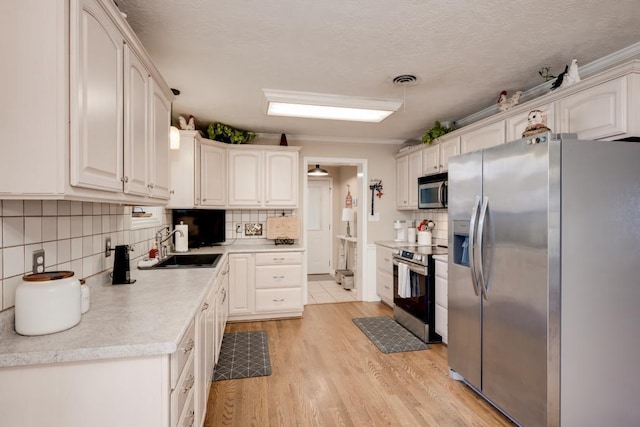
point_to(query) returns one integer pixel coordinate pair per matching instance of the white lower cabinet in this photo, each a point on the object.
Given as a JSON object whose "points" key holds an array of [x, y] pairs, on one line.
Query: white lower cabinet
{"points": [[265, 285], [441, 298], [384, 274]]}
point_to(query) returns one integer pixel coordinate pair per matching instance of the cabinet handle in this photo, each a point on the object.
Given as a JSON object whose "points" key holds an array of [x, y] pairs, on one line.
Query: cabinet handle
{"points": [[278, 259], [189, 346], [386, 259], [441, 166], [278, 277], [205, 306], [190, 419], [172, 191], [188, 384], [278, 300], [436, 167], [124, 179], [224, 296], [150, 185]]}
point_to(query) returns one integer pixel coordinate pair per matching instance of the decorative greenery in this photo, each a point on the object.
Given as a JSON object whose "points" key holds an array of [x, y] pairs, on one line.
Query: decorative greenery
{"points": [[230, 135], [435, 132], [545, 74]]}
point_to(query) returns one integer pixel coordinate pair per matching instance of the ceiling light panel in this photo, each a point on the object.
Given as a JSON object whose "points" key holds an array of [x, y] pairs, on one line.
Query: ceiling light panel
{"points": [[331, 107]]}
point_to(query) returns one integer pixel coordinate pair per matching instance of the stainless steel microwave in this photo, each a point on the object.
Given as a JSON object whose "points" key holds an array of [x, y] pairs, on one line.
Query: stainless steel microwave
{"points": [[432, 191]]}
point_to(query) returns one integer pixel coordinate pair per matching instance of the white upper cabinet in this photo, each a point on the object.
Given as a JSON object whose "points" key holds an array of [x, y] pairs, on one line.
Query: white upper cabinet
{"points": [[415, 172], [484, 137], [182, 172], [213, 176], [158, 176], [245, 177], [597, 112], [136, 131], [263, 177], [96, 101], [281, 185], [431, 159], [402, 182], [88, 80], [448, 149]]}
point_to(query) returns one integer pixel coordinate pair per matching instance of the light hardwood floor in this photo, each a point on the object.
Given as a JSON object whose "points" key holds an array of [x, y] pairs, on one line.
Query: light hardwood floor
{"points": [[326, 372]]}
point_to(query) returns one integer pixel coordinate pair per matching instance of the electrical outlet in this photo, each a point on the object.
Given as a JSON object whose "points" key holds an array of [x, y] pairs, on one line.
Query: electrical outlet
{"points": [[38, 261], [238, 228], [107, 247]]}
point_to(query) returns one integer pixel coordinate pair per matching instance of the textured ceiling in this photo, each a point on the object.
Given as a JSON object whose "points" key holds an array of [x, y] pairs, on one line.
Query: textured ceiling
{"points": [[222, 53]]}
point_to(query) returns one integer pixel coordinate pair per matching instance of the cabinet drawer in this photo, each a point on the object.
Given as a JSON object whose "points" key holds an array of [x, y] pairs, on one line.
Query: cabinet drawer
{"points": [[180, 357], [278, 276], [188, 417], [442, 270], [442, 322], [278, 258], [278, 299], [384, 259], [441, 292], [384, 286], [182, 391]]}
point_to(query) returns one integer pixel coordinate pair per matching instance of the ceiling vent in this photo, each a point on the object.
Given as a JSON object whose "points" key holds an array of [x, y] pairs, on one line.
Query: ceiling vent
{"points": [[405, 80]]}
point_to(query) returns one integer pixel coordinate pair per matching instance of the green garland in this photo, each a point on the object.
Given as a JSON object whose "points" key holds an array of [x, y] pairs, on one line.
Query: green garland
{"points": [[230, 135]]}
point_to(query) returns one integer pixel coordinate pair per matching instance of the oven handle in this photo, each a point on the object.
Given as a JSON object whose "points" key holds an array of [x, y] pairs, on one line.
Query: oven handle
{"points": [[472, 240], [419, 270]]}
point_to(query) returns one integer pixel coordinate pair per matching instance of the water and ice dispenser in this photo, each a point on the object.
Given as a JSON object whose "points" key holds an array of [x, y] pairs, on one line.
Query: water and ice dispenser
{"points": [[461, 242]]}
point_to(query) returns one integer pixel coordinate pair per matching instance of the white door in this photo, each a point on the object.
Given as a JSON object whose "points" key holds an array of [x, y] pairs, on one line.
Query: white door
{"points": [[319, 227]]}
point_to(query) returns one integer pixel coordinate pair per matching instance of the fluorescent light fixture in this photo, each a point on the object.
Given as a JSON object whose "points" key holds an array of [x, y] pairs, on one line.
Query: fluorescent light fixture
{"points": [[331, 107]]}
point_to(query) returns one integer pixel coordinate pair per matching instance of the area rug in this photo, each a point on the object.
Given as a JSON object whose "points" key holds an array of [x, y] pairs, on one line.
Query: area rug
{"points": [[243, 355], [388, 335]]}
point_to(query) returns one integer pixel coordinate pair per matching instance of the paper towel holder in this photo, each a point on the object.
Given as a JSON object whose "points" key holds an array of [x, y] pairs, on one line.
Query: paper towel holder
{"points": [[181, 243]]}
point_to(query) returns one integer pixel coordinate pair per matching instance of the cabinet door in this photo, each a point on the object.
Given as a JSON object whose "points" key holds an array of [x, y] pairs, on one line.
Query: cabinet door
{"points": [[430, 160], [415, 172], [96, 128], [518, 123], [448, 149], [281, 178], [485, 137], [241, 284], [202, 379], [402, 182], [136, 119], [245, 177], [182, 173], [598, 112], [213, 176], [159, 167]]}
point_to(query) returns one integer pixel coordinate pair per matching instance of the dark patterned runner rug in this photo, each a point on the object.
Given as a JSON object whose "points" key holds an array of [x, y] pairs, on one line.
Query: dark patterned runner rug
{"points": [[243, 355], [388, 335]]}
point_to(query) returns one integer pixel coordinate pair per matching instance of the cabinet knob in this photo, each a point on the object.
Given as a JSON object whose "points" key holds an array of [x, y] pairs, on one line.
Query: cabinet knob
{"points": [[124, 179], [204, 200], [172, 191], [205, 307], [436, 167], [190, 345], [441, 166]]}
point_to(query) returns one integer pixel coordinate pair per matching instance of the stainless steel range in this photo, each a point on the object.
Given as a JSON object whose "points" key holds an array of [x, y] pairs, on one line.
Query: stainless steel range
{"points": [[414, 290]]}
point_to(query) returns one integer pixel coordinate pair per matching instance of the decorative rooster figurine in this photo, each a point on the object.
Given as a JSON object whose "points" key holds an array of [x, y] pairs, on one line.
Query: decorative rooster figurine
{"points": [[190, 125], [568, 77], [506, 103]]}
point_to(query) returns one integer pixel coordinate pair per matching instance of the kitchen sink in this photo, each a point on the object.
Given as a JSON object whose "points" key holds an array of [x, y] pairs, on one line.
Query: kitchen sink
{"points": [[188, 261]]}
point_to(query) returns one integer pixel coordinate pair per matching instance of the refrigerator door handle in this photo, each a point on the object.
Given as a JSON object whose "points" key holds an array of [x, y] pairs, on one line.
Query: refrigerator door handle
{"points": [[472, 239], [480, 240]]}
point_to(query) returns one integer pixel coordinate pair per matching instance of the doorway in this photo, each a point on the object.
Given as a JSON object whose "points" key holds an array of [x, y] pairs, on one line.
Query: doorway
{"points": [[319, 226]]}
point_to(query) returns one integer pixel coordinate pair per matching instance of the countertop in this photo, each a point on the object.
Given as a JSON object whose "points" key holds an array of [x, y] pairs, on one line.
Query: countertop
{"points": [[444, 258], [148, 317]]}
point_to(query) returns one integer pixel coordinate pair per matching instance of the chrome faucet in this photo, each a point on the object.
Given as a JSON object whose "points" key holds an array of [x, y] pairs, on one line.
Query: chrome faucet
{"points": [[163, 249]]}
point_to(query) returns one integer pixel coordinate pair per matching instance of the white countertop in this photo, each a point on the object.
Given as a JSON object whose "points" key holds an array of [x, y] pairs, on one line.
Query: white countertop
{"points": [[393, 244], [444, 258], [148, 317]]}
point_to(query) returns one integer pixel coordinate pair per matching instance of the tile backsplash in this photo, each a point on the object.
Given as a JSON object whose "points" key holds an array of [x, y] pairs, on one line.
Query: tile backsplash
{"points": [[71, 233], [440, 218], [248, 218]]}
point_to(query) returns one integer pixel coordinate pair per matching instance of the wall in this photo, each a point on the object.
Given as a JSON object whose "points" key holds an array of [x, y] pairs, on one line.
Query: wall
{"points": [[72, 235]]}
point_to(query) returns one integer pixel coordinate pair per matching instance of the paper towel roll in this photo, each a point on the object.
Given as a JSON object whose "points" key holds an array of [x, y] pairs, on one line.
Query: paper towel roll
{"points": [[181, 243]]}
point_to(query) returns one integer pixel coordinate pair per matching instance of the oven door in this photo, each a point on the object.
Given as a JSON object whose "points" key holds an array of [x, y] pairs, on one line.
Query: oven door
{"points": [[415, 305], [432, 195]]}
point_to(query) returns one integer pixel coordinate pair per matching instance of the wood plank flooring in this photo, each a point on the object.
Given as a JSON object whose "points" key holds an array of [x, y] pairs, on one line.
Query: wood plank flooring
{"points": [[326, 372]]}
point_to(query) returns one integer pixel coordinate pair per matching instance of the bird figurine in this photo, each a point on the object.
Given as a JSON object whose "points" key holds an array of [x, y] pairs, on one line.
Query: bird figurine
{"points": [[505, 103], [535, 123], [560, 78], [572, 76], [187, 125]]}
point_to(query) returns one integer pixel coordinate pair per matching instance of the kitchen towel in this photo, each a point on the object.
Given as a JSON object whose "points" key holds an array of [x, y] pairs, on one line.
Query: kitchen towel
{"points": [[404, 279], [181, 242]]}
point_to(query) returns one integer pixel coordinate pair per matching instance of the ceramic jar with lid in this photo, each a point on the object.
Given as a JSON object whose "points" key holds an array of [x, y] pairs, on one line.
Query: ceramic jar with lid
{"points": [[47, 302]]}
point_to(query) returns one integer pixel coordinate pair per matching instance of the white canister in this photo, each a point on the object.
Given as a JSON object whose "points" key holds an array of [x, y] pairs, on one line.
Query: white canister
{"points": [[411, 235], [47, 302], [424, 238], [86, 296]]}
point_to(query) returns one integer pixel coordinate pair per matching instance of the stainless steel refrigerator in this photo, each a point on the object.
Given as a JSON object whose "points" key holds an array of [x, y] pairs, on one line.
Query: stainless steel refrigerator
{"points": [[544, 279]]}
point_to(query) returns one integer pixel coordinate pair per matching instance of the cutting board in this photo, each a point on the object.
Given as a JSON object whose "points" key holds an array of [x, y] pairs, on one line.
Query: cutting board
{"points": [[283, 227]]}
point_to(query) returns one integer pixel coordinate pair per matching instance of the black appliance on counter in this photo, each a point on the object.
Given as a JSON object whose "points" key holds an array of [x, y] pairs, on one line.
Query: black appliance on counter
{"points": [[433, 191], [416, 312], [121, 267], [206, 226]]}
